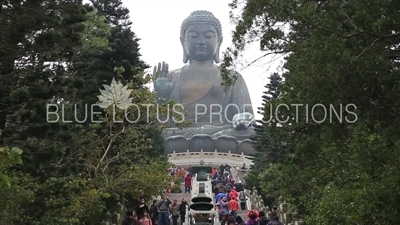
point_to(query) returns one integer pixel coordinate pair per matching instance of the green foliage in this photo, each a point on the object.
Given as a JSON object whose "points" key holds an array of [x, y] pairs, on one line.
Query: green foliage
{"points": [[338, 53], [176, 188], [267, 152], [61, 53], [8, 157], [16, 200], [94, 37]]}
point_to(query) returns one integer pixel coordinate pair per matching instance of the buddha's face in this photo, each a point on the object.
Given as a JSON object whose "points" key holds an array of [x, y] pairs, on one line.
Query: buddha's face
{"points": [[201, 42]]}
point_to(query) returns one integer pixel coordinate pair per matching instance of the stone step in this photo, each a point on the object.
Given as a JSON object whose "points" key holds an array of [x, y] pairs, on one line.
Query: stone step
{"points": [[179, 196], [187, 196], [243, 214]]}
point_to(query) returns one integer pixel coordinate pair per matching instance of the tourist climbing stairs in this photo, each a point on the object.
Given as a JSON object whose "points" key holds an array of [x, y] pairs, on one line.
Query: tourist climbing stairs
{"points": [[179, 197], [286, 216]]}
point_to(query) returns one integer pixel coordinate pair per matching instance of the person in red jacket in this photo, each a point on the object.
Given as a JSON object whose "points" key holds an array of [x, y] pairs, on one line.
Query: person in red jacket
{"points": [[214, 171], [234, 193], [253, 211], [233, 206], [188, 183]]}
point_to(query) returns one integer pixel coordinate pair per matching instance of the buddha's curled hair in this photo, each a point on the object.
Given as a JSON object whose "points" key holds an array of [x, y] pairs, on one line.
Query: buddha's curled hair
{"points": [[201, 17]]}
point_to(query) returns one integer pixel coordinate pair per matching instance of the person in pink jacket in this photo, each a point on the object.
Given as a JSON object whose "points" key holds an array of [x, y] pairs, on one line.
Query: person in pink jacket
{"points": [[145, 220]]}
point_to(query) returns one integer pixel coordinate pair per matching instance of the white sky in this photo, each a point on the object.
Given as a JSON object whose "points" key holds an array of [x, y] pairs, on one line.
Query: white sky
{"points": [[157, 23]]}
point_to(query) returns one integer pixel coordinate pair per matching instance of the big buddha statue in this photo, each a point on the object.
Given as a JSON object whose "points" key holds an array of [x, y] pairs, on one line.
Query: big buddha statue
{"points": [[220, 119]]}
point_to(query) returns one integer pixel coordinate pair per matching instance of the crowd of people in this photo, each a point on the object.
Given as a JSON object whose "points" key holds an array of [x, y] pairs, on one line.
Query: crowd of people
{"points": [[160, 212], [229, 199]]}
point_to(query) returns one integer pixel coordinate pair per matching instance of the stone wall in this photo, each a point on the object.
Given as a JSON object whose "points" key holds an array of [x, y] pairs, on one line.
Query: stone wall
{"points": [[116, 217], [285, 216]]}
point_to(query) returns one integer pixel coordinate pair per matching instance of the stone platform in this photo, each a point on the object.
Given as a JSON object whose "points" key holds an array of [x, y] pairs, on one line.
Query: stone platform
{"points": [[206, 143], [210, 158]]}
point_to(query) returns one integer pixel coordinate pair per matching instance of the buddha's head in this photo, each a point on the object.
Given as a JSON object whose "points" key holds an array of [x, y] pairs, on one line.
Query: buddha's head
{"points": [[201, 37]]}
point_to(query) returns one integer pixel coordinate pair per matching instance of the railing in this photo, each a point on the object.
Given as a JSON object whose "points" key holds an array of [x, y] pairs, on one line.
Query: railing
{"points": [[195, 187], [207, 192], [285, 216], [116, 218], [186, 158], [236, 176]]}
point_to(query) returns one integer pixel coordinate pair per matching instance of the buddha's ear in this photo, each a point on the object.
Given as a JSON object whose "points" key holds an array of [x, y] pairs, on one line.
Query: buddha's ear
{"points": [[216, 56], [185, 55]]}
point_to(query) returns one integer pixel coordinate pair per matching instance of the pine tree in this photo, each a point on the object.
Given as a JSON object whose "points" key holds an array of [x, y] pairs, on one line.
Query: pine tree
{"points": [[263, 146], [57, 178], [123, 52], [116, 14], [261, 140], [265, 152], [32, 45], [273, 90]]}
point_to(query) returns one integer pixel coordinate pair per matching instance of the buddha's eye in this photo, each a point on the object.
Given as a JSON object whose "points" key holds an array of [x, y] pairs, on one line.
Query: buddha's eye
{"points": [[192, 35], [209, 35]]}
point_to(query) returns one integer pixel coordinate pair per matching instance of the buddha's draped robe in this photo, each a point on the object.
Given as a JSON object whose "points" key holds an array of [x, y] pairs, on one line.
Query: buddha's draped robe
{"points": [[235, 100]]}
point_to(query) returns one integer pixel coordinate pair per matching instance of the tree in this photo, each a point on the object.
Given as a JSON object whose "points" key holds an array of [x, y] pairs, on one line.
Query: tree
{"points": [[272, 92], [339, 54], [32, 46], [111, 160], [124, 52], [9, 157], [59, 53], [267, 152], [115, 13], [120, 48]]}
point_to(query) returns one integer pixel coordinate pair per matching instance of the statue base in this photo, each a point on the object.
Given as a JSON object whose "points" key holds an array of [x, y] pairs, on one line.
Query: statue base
{"points": [[213, 131], [207, 143]]}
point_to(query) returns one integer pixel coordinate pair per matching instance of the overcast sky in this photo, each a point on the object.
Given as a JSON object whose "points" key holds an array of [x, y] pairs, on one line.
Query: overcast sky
{"points": [[157, 23]]}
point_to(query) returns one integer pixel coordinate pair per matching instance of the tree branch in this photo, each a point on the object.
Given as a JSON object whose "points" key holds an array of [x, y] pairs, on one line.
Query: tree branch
{"points": [[365, 50], [266, 54], [109, 161], [107, 150]]}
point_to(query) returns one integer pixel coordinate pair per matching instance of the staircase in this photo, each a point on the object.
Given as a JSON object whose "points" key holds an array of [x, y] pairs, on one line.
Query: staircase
{"points": [[188, 196], [240, 176], [243, 214], [179, 196]]}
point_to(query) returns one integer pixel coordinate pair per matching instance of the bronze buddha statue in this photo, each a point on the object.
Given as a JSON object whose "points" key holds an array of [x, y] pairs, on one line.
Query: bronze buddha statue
{"points": [[213, 111]]}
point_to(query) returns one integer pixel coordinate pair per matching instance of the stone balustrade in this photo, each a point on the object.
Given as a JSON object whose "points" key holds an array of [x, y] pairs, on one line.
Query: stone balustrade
{"points": [[285, 216], [190, 216], [214, 158], [116, 218], [195, 187], [236, 176]]}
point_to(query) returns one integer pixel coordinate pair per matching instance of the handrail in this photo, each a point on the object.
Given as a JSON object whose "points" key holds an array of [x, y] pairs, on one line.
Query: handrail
{"points": [[235, 175], [115, 218], [195, 192], [285, 216]]}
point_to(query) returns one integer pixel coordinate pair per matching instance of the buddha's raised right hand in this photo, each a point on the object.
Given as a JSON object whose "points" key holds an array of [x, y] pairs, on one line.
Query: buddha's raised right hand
{"points": [[163, 84]]}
